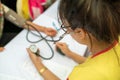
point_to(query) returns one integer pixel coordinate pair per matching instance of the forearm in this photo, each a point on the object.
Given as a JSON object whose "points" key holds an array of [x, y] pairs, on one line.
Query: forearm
{"points": [[46, 74], [18, 20], [77, 58], [33, 26]]}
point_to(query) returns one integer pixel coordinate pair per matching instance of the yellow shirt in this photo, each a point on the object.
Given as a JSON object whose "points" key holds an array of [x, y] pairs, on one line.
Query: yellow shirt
{"points": [[103, 66]]}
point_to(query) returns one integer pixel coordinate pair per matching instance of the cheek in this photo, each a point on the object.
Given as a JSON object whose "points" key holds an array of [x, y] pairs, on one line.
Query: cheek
{"points": [[78, 39], [75, 37]]}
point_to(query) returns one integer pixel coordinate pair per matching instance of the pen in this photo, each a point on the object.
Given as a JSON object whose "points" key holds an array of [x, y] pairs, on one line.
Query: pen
{"points": [[55, 26]]}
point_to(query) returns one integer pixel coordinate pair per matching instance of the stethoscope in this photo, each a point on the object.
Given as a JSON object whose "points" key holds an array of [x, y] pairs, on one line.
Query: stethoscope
{"points": [[45, 38]]}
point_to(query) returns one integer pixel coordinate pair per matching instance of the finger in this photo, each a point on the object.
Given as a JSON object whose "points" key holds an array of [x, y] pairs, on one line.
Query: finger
{"points": [[1, 49], [29, 51], [60, 44], [52, 34], [52, 30]]}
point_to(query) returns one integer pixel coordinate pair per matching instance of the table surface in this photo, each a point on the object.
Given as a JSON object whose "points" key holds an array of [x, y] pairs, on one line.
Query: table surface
{"points": [[15, 63]]}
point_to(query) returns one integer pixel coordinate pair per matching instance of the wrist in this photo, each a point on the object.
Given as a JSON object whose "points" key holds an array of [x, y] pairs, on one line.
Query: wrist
{"points": [[69, 53], [43, 29], [42, 70], [39, 65]]}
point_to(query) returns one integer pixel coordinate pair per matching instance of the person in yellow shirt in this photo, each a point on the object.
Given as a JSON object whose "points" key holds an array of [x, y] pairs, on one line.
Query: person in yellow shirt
{"points": [[95, 23]]}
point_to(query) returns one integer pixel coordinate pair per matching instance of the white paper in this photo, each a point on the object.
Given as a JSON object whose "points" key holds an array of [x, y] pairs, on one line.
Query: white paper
{"points": [[9, 77]]}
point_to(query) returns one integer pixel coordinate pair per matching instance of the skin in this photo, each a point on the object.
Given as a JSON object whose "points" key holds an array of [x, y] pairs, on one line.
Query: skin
{"points": [[47, 74], [47, 31], [81, 37], [80, 33], [2, 49]]}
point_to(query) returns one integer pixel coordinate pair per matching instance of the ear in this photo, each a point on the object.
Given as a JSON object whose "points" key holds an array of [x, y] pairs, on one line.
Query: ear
{"points": [[81, 33]]}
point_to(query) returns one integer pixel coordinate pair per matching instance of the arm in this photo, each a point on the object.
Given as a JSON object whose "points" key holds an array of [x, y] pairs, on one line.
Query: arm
{"points": [[46, 73], [79, 59], [64, 48], [18, 20], [48, 31]]}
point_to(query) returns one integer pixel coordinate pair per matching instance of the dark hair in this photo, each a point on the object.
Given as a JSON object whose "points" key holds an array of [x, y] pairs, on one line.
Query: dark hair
{"points": [[101, 18]]}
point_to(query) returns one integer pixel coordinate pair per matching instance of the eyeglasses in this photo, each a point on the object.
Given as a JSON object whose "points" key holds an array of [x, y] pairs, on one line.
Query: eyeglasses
{"points": [[64, 30], [67, 30]]}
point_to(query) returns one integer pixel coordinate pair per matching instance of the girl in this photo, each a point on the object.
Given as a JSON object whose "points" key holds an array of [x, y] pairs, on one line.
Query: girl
{"points": [[95, 23]]}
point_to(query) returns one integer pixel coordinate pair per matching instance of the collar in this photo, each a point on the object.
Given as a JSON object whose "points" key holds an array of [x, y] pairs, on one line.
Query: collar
{"points": [[105, 50]]}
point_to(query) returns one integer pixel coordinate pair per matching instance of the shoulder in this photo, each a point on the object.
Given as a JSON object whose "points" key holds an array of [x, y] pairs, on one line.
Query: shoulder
{"points": [[102, 67], [97, 71], [85, 73]]}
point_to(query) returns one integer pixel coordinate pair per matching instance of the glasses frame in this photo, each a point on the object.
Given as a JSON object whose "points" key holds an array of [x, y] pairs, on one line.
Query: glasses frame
{"points": [[64, 28]]}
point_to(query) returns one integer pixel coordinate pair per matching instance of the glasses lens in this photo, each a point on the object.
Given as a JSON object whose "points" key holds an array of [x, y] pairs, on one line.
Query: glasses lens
{"points": [[64, 28]]}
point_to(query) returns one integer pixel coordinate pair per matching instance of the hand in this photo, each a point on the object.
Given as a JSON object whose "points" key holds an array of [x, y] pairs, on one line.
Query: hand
{"points": [[35, 59], [2, 49], [63, 47], [50, 32]]}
